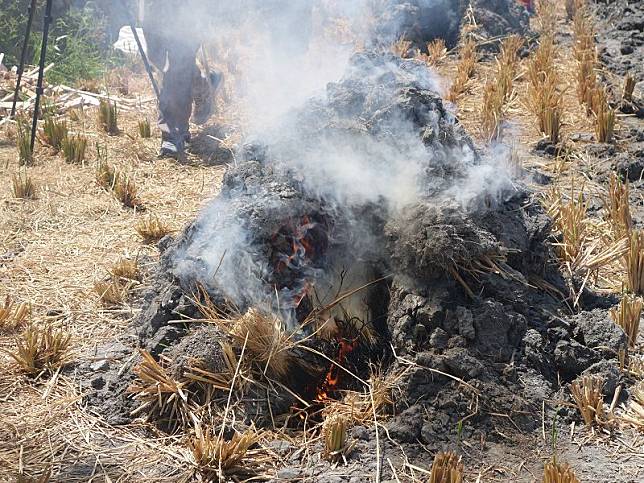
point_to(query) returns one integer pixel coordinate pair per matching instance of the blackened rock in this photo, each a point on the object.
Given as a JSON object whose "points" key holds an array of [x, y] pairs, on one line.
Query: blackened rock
{"points": [[430, 315], [630, 167], [609, 372], [498, 330], [572, 358], [465, 323], [163, 338], [424, 21], [601, 150], [201, 348], [361, 433], [165, 243], [461, 364], [98, 382], [428, 238], [546, 147], [456, 341], [406, 427], [402, 332], [597, 331], [534, 349], [436, 426], [160, 311], [422, 382], [438, 339]]}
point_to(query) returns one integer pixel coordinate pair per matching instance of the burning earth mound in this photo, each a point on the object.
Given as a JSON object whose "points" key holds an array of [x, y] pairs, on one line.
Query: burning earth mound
{"points": [[363, 231]]}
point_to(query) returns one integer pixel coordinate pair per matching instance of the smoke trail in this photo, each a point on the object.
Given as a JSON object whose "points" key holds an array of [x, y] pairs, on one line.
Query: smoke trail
{"points": [[293, 111]]}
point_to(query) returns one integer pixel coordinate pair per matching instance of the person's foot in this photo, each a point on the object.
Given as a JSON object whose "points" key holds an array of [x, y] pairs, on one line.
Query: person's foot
{"points": [[204, 93], [170, 149]]}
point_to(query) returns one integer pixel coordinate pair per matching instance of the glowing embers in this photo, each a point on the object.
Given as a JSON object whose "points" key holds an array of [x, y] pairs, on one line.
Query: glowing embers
{"points": [[355, 340], [296, 253], [328, 297], [333, 377]]}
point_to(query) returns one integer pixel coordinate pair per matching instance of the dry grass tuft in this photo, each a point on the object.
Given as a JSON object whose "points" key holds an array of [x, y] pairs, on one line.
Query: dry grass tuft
{"points": [[54, 132], [544, 97], [584, 47], [616, 204], [586, 82], [559, 473], [13, 316], [108, 117], [41, 349], [105, 175], [377, 399], [506, 64], [587, 393], [579, 247], [267, 343], [541, 64], [631, 364], [212, 453], [112, 293], [499, 88], [589, 92], [547, 104], [23, 144], [446, 468], [546, 16], [634, 263], [23, 187], [635, 411], [627, 316], [464, 71], [151, 229], [126, 191], [159, 393], [145, 131], [570, 222], [604, 117], [74, 148], [121, 186], [436, 52], [492, 112], [222, 380], [401, 48], [334, 432], [126, 270]]}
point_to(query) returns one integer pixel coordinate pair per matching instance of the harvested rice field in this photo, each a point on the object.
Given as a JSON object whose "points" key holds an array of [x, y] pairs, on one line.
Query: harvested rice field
{"points": [[411, 252]]}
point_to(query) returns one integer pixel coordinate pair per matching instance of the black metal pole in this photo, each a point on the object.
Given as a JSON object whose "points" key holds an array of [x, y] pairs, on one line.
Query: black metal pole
{"points": [[23, 56], [41, 72], [146, 62]]}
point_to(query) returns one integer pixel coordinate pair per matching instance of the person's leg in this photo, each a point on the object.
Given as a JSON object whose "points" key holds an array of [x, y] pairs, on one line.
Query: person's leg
{"points": [[172, 49], [175, 103]]}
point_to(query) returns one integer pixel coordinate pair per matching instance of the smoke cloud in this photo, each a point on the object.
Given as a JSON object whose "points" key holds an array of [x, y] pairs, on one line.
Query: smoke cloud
{"points": [[290, 52]]}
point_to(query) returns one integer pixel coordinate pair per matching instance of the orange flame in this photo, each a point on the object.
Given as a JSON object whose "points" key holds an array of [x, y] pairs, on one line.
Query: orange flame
{"points": [[333, 378]]}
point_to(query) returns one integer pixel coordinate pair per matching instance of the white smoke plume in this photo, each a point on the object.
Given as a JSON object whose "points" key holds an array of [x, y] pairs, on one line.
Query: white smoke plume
{"points": [[289, 56]]}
